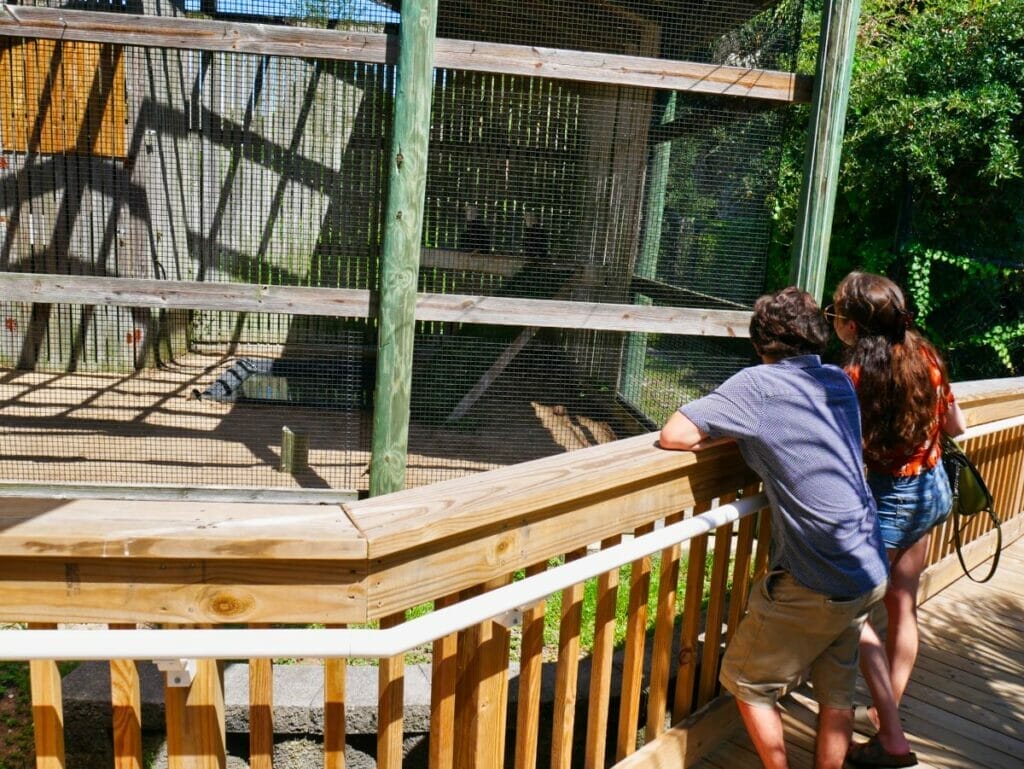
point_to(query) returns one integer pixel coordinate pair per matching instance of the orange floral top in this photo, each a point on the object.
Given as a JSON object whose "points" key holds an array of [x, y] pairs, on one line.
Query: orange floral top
{"points": [[909, 461]]}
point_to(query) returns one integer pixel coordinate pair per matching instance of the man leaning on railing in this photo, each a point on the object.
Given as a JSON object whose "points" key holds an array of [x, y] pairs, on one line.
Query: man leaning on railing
{"points": [[797, 424]]}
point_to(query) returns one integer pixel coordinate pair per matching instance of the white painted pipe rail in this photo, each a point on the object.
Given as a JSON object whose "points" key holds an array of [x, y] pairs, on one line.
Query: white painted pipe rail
{"points": [[502, 604], [991, 427], [250, 643]]}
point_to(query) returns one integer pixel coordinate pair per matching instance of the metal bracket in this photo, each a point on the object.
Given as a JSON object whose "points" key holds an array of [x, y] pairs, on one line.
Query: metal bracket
{"points": [[179, 672], [510, 618]]}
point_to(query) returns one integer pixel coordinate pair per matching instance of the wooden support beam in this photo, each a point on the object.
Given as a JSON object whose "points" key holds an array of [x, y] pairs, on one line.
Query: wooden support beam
{"points": [[495, 371], [278, 40], [824, 145], [353, 303], [400, 256]]}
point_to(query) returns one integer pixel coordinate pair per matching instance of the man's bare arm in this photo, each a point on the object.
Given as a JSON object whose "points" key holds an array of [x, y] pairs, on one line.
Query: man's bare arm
{"points": [[680, 433]]}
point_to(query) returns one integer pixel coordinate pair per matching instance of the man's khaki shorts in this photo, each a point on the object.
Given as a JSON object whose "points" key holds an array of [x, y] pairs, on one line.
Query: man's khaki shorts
{"points": [[789, 629]]}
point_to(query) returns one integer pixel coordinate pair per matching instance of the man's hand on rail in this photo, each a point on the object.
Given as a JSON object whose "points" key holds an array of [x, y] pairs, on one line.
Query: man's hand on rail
{"points": [[682, 434]]}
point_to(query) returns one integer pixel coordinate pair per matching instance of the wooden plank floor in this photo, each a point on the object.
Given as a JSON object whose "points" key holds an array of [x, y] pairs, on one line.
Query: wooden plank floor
{"points": [[964, 707]]}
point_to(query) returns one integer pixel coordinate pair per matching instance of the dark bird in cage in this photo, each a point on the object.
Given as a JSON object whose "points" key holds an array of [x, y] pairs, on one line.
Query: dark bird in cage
{"points": [[541, 277], [536, 244], [475, 235]]}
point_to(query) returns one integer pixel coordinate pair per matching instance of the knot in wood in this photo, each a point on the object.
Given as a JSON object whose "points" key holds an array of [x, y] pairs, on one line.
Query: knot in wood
{"points": [[226, 605], [686, 655]]}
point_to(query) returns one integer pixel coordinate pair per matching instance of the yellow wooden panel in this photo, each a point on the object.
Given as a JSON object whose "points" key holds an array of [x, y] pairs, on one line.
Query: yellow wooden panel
{"points": [[12, 76], [65, 97]]}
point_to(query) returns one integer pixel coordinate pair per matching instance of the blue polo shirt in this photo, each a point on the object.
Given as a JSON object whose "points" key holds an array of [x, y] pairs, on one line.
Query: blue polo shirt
{"points": [[797, 424]]}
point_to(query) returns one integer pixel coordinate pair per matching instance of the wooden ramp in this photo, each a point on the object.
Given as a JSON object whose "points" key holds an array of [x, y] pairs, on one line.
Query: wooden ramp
{"points": [[964, 708]]}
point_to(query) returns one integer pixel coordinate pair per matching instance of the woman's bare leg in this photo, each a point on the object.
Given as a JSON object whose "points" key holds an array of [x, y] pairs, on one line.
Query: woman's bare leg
{"points": [[874, 666], [901, 607]]}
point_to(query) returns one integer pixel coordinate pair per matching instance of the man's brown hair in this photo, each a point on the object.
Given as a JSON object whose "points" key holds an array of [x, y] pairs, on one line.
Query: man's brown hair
{"points": [[788, 323]]}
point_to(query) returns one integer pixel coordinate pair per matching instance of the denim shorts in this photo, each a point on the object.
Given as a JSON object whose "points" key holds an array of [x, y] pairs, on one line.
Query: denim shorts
{"points": [[908, 508]]}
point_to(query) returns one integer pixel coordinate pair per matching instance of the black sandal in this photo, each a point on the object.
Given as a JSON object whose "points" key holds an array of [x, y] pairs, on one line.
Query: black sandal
{"points": [[872, 754]]}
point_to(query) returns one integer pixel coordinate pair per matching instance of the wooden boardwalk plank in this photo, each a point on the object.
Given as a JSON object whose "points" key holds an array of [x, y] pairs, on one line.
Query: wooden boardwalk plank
{"points": [[964, 703]]}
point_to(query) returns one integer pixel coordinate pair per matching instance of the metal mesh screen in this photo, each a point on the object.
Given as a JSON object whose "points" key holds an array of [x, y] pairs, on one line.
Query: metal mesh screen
{"points": [[234, 168], [207, 416]]}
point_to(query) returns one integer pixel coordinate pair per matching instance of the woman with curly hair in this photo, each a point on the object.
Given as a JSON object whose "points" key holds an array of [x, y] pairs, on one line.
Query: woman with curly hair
{"points": [[906, 404]]}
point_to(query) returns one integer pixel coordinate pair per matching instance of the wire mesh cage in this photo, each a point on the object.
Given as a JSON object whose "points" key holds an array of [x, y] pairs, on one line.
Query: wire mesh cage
{"points": [[163, 164]]}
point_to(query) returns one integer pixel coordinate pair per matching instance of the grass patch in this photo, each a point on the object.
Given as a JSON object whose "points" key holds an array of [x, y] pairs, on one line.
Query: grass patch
{"points": [[17, 750]]}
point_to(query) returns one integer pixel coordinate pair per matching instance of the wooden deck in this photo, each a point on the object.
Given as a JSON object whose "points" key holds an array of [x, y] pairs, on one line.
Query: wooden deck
{"points": [[964, 708]]}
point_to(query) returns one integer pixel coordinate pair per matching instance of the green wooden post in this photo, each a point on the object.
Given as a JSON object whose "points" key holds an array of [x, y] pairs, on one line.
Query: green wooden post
{"points": [[400, 257], [646, 267], [824, 146]]}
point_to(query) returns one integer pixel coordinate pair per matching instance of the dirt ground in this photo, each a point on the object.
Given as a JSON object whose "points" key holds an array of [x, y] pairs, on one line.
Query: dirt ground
{"points": [[149, 428]]}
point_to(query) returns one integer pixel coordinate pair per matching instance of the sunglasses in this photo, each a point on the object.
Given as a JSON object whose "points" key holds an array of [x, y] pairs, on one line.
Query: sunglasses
{"points": [[831, 315]]}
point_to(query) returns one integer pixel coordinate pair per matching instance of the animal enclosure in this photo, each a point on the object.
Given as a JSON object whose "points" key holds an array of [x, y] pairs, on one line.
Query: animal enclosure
{"points": [[191, 212]]}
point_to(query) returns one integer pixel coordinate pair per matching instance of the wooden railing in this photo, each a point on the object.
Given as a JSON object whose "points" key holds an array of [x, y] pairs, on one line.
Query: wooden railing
{"points": [[213, 564]]}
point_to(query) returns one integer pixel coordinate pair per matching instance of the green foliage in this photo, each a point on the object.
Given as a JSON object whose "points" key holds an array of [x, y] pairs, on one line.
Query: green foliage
{"points": [[961, 287], [932, 178]]}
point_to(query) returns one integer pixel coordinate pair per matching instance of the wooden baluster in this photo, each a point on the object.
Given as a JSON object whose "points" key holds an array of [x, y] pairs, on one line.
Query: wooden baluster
{"points": [[686, 674], [390, 703], [716, 611], [764, 542], [335, 734], [563, 721], [664, 625], [983, 450], [481, 699], [47, 709], [195, 720], [530, 666], [126, 707], [1003, 479], [601, 658], [978, 454], [741, 567], [443, 675], [633, 659], [1015, 467], [261, 711]]}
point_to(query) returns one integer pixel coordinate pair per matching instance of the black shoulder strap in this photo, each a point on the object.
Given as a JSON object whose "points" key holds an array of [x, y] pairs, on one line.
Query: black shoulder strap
{"points": [[958, 527]]}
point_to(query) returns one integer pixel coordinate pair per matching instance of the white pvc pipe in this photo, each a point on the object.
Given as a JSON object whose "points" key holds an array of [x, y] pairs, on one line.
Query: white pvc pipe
{"points": [[249, 643], [991, 427]]}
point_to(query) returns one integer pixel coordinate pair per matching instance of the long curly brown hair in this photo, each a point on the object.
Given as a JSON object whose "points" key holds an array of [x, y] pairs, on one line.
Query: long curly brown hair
{"points": [[898, 400]]}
